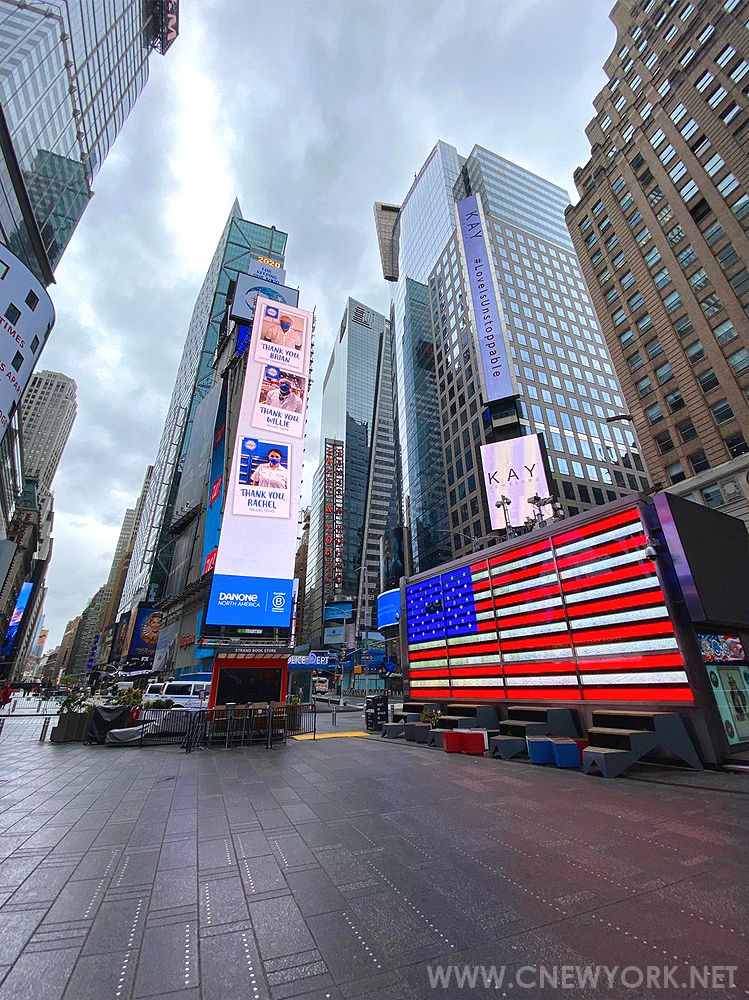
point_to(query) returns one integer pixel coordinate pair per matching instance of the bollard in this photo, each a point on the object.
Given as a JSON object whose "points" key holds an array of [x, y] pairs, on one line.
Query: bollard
{"points": [[38, 706], [45, 727], [2, 723], [334, 715]]}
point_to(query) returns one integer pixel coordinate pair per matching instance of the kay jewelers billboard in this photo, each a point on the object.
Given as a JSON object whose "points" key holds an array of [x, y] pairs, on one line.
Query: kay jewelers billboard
{"points": [[254, 572]]}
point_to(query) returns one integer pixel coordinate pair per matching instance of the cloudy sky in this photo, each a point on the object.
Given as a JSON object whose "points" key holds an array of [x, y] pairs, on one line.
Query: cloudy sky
{"points": [[308, 112]]}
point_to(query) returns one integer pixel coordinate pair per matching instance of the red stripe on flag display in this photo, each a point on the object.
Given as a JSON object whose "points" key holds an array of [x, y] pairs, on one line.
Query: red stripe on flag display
{"points": [[533, 647]]}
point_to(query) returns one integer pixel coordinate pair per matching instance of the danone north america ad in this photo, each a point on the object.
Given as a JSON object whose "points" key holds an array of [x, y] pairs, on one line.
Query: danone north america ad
{"points": [[281, 335], [262, 486], [253, 579], [281, 401]]}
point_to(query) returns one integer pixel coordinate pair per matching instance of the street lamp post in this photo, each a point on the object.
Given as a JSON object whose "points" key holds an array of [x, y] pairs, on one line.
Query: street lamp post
{"points": [[504, 502]]}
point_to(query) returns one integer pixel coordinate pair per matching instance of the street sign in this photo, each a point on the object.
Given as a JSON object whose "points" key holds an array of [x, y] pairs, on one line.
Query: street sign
{"points": [[389, 667]]}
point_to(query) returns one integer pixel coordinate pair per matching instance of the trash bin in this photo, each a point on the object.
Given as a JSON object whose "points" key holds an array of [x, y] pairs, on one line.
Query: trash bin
{"points": [[376, 712]]}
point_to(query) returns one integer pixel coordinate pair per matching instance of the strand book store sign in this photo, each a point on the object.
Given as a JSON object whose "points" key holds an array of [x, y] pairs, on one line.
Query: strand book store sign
{"points": [[252, 590]]}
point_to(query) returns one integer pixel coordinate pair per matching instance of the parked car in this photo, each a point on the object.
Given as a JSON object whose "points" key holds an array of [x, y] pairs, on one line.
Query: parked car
{"points": [[187, 694]]}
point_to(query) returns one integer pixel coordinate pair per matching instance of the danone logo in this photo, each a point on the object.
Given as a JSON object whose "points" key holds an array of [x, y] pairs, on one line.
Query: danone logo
{"points": [[243, 600]]}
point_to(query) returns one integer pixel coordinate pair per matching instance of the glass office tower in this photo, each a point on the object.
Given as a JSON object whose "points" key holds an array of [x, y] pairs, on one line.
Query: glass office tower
{"points": [[347, 436], [70, 73], [240, 240], [411, 237], [566, 383]]}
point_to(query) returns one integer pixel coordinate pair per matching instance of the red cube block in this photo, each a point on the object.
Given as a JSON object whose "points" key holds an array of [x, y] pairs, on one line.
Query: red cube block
{"points": [[452, 742], [475, 741]]}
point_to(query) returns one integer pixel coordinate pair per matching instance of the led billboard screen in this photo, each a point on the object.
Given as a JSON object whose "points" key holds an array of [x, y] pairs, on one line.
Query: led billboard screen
{"points": [[16, 618], [254, 567], [388, 608], [488, 321], [340, 611], [580, 616], [516, 470]]}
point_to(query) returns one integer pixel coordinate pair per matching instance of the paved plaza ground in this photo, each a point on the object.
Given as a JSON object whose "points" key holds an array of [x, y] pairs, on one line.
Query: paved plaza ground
{"points": [[348, 868]]}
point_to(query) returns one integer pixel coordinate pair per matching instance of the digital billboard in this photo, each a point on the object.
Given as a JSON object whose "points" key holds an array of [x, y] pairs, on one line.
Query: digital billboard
{"points": [[488, 321], [16, 618], [392, 557], [215, 500], [388, 608], [144, 635], [166, 648], [192, 479], [578, 616], [254, 566], [515, 469], [249, 287], [339, 611], [26, 318], [333, 458]]}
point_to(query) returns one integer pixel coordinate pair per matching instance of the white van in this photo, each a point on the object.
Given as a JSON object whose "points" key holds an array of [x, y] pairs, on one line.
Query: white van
{"points": [[187, 694], [153, 691]]}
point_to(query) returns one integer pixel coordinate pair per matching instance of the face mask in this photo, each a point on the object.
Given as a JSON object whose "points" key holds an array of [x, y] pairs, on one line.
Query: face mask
{"points": [[273, 459], [285, 326]]}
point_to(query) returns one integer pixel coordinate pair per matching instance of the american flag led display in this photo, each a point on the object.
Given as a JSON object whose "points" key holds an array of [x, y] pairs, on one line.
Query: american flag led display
{"points": [[578, 616]]}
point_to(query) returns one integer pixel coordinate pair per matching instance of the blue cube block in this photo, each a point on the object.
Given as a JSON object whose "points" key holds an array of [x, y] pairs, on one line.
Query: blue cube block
{"points": [[540, 749], [566, 753]]}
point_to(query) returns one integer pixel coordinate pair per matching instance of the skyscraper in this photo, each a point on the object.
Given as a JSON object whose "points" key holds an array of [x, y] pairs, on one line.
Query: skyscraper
{"points": [[70, 73], [338, 544], [661, 234], [49, 409], [564, 378], [154, 541]]}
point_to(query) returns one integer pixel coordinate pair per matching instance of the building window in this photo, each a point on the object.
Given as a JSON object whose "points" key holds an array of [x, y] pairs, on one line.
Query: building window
{"points": [[662, 278], [675, 235], [675, 472], [687, 430], [635, 361], [626, 338], [739, 360], [740, 282], [619, 317], [714, 232], [698, 461], [32, 300], [741, 206], [728, 185], [672, 301], [727, 256], [34, 345], [737, 445], [711, 305], [664, 373], [654, 413], [722, 411], [675, 400], [695, 351], [725, 332], [708, 380], [652, 257], [686, 256], [17, 361], [704, 81], [664, 442], [635, 301], [644, 387], [654, 347], [712, 496], [13, 314], [644, 323], [699, 280]]}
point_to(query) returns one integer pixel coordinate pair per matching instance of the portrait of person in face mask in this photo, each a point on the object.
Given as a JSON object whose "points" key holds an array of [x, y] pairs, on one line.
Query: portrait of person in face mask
{"points": [[284, 398], [271, 473], [281, 331]]}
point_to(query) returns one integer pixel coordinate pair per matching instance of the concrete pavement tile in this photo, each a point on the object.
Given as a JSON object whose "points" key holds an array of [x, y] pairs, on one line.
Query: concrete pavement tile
{"points": [[168, 960], [222, 901], [314, 892], [117, 926], [174, 888], [39, 976], [15, 930], [230, 968], [279, 927], [182, 853]]}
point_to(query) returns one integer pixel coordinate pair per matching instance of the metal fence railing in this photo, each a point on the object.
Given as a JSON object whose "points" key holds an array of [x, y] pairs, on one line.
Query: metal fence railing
{"points": [[261, 724]]}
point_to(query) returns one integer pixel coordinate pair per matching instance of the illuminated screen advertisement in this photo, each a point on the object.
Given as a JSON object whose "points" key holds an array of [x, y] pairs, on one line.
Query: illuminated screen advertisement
{"points": [[26, 318], [341, 611], [488, 322], [254, 569], [15, 619], [145, 632], [728, 670], [215, 500], [580, 616], [516, 470], [388, 608]]}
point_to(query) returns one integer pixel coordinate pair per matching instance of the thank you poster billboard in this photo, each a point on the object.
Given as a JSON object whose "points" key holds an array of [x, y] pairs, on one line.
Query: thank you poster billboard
{"points": [[254, 568], [486, 310]]}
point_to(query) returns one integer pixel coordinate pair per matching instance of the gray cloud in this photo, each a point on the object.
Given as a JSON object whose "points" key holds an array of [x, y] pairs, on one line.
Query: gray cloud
{"points": [[308, 112]]}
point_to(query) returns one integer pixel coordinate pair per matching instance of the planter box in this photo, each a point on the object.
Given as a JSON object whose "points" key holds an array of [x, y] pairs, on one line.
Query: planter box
{"points": [[71, 728]]}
